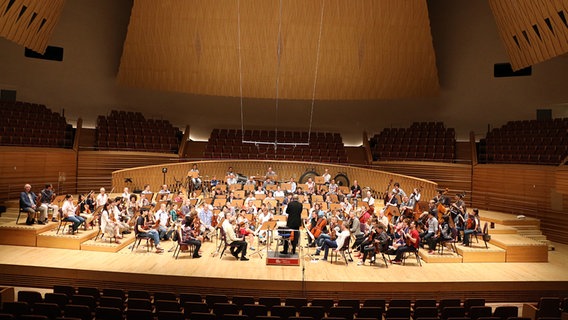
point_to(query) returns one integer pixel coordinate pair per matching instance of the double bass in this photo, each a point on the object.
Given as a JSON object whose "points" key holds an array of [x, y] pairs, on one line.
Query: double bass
{"points": [[386, 196]]}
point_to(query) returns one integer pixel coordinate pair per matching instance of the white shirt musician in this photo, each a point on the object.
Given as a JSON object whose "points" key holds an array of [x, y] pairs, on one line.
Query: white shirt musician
{"points": [[332, 188], [195, 179], [326, 177], [232, 179], [102, 197], [369, 199], [311, 186], [397, 190], [270, 173]]}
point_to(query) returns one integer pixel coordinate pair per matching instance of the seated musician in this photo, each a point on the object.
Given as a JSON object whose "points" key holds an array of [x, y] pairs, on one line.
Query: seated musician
{"points": [[163, 216], [186, 207], [412, 240], [335, 244], [429, 235], [143, 230], [268, 182], [69, 211], [143, 201], [147, 190], [317, 209], [458, 210], [164, 192], [311, 186], [415, 195], [472, 225], [333, 187], [346, 205], [28, 200], [259, 191], [270, 173], [406, 208], [195, 179], [293, 186], [47, 196], [85, 210], [263, 215], [175, 214], [236, 244], [231, 197], [445, 233], [232, 179], [355, 190], [391, 202], [102, 198], [178, 197], [369, 199], [441, 198], [378, 242], [250, 207], [397, 190], [384, 220], [190, 236], [214, 182], [250, 181], [109, 227], [354, 226], [246, 228], [279, 193], [327, 232], [326, 177], [205, 215], [120, 215], [126, 194], [310, 225]]}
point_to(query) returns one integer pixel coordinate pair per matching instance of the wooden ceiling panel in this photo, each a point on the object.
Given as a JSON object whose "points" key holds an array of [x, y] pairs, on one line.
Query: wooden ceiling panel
{"points": [[364, 46]]}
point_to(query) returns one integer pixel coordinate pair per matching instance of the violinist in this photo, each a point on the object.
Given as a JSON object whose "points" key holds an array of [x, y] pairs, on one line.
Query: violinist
{"points": [[47, 196], [178, 197], [126, 194], [458, 209], [429, 235], [142, 229], [406, 208], [206, 217], [379, 239], [369, 199], [190, 236], [84, 210], [441, 198], [132, 206], [245, 230], [311, 185], [69, 210], [445, 231], [109, 226], [397, 190], [355, 190], [102, 198], [237, 246], [175, 214], [143, 201], [354, 226], [333, 187], [472, 225], [120, 215], [412, 240], [384, 220], [336, 243]]}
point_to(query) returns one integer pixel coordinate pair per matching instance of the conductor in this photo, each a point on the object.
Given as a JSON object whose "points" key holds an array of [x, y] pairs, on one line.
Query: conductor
{"points": [[294, 211]]}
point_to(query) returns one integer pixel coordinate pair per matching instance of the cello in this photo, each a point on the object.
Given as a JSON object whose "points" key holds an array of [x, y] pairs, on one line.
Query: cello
{"points": [[386, 195], [318, 229]]}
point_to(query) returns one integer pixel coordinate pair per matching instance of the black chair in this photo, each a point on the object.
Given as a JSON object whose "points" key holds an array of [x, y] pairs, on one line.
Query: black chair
{"points": [[63, 222], [7, 316], [316, 312], [170, 315], [452, 312], [139, 294], [448, 303], [412, 252], [181, 246], [212, 299], [33, 317], [167, 305], [269, 302], [17, 308], [82, 300], [370, 313], [506, 312], [240, 301], [326, 304], [140, 304], [253, 311], [50, 310], [353, 303], [60, 299], [112, 302], [189, 297], [548, 307], [425, 312], [485, 236], [165, 296], [397, 313], [202, 316], [224, 243], [424, 303], [137, 314], [221, 309], [296, 302], [301, 318], [233, 317], [78, 311], [476, 312], [283, 312], [451, 241], [341, 312], [138, 239], [399, 303], [342, 250], [69, 291], [380, 303], [106, 313], [473, 302], [116, 293], [31, 297], [89, 291], [194, 307]]}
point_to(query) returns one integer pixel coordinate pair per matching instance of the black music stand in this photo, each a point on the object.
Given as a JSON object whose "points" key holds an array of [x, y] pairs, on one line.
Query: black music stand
{"points": [[307, 247], [268, 226]]}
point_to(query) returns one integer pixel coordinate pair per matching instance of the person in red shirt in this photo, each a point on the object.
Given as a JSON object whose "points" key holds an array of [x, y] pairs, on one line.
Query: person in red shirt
{"points": [[412, 238]]}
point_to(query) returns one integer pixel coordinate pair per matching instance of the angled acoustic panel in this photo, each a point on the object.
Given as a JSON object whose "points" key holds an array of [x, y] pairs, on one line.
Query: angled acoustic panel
{"points": [[29, 23], [532, 30], [369, 49]]}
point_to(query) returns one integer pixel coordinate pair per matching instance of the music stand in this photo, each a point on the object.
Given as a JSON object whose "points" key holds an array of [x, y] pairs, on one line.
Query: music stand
{"points": [[217, 244], [313, 238], [267, 226]]}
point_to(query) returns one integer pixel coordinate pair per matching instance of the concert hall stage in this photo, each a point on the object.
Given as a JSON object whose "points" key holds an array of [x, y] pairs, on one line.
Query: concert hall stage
{"points": [[32, 266]]}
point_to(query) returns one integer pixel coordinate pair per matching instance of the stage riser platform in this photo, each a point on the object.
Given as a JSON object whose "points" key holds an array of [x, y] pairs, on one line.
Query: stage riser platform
{"points": [[65, 241], [106, 246], [521, 249], [22, 234]]}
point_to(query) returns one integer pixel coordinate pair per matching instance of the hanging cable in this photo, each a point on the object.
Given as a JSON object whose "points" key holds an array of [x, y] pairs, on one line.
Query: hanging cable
{"points": [[240, 68], [278, 59], [316, 71]]}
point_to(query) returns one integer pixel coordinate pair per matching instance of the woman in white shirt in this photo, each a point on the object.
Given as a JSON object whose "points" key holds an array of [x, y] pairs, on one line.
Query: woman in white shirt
{"points": [[68, 210]]}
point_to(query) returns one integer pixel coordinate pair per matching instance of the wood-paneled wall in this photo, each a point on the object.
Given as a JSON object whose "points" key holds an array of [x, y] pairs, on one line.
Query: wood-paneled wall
{"points": [[375, 179], [36, 166], [94, 168], [525, 190]]}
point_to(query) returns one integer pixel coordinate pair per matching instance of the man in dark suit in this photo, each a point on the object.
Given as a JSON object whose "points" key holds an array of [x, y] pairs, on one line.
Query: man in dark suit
{"points": [[294, 211]]}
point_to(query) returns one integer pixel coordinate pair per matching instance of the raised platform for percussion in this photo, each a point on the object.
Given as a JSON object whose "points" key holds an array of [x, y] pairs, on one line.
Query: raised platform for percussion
{"points": [[64, 240], [521, 249], [105, 245], [275, 258], [22, 234], [477, 252]]}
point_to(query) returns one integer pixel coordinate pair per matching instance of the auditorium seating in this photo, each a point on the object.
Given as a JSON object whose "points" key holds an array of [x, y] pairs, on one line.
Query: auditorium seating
{"points": [[540, 142], [130, 131], [228, 144], [422, 141], [33, 125], [119, 304]]}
